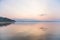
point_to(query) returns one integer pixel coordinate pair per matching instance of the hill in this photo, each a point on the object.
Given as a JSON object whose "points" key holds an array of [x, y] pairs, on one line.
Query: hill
{"points": [[3, 19]]}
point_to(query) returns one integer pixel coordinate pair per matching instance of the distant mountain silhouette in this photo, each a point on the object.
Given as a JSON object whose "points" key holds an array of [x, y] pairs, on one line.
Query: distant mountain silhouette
{"points": [[26, 20], [3, 19], [36, 20]]}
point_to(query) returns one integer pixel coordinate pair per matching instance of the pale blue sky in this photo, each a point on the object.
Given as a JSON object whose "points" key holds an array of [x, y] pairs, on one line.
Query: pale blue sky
{"points": [[54, 7], [30, 8]]}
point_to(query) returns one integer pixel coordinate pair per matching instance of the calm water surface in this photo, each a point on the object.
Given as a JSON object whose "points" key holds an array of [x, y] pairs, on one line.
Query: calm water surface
{"points": [[30, 31]]}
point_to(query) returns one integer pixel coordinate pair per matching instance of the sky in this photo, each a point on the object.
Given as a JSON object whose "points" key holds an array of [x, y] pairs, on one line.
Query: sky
{"points": [[31, 9]]}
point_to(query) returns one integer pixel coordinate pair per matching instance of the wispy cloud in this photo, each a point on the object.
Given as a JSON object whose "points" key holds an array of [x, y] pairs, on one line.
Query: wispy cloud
{"points": [[30, 8], [22, 8]]}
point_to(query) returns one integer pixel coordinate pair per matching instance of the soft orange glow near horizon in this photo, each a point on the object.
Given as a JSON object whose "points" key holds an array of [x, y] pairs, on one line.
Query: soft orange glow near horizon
{"points": [[24, 9], [29, 9]]}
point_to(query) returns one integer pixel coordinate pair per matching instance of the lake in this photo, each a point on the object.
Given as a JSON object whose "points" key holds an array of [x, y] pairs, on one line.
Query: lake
{"points": [[30, 31]]}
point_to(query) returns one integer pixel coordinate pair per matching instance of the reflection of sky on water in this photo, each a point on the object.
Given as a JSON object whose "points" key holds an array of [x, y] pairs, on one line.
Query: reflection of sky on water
{"points": [[47, 30]]}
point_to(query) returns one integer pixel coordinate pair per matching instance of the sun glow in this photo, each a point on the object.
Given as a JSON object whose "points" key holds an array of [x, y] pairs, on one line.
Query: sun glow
{"points": [[24, 8]]}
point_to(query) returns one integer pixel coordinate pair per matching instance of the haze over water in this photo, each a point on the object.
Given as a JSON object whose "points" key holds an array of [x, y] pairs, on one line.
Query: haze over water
{"points": [[31, 31], [30, 10]]}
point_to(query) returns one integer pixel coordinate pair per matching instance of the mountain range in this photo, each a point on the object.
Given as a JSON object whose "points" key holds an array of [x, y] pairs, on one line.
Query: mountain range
{"points": [[36, 20]]}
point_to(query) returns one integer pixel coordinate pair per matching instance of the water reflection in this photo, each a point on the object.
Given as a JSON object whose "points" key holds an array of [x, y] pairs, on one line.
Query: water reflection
{"points": [[4, 24], [30, 31]]}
